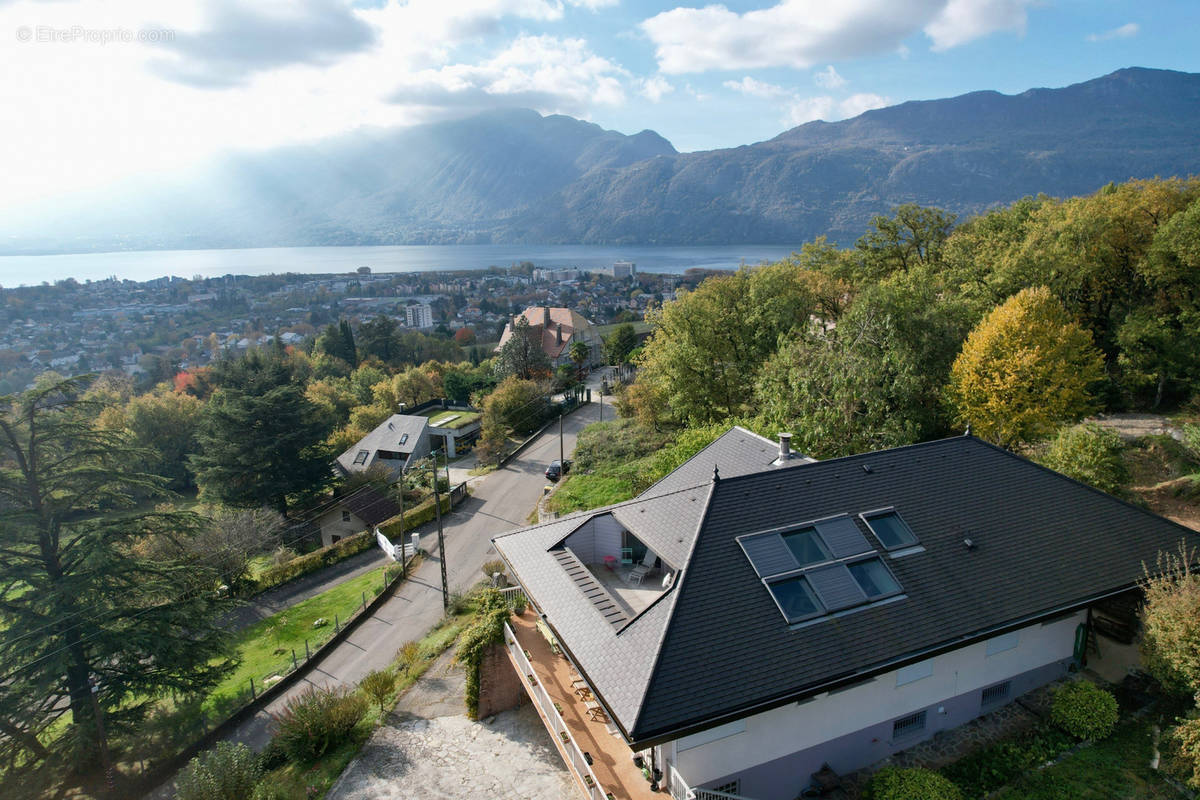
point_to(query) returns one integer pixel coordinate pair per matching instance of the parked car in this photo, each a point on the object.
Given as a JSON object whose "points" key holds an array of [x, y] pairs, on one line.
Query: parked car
{"points": [[557, 469]]}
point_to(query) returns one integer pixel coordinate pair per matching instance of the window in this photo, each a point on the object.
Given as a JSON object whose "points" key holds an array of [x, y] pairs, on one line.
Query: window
{"points": [[404, 438], [914, 672], [908, 726], [995, 694], [362, 456], [795, 598], [891, 531], [345, 516], [1002, 643], [732, 787], [806, 546], [874, 579]]}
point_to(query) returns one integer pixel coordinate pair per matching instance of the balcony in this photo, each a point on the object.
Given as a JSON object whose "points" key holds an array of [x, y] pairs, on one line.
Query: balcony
{"points": [[612, 773]]}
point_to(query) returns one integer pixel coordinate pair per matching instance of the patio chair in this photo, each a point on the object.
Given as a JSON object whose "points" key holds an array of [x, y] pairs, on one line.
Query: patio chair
{"points": [[643, 569]]}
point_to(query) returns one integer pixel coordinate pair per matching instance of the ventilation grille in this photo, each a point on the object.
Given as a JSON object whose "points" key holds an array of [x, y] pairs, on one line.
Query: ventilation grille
{"points": [[908, 726]]}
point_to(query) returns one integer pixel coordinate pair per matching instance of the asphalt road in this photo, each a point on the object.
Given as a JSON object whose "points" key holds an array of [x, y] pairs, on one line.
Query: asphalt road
{"points": [[501, 501]]}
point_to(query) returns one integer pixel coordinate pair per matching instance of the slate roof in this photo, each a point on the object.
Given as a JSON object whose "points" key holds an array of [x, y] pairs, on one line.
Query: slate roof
{"points": [[715, 646], [386, 436], [370, 505]]}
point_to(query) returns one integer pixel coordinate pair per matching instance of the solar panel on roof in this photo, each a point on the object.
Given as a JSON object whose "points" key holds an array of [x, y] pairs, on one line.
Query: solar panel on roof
{"points": [[843, 537], [768, 554], [836, 587]]}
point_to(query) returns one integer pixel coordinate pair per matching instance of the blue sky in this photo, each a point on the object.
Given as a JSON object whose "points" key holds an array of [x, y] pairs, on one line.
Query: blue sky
{"points": [[98, 90]]}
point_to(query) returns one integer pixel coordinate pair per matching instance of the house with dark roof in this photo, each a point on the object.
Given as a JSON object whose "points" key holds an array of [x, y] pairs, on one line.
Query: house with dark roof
{"points": [[555, 329], [397, 442], [361, 510], [755, 615]]}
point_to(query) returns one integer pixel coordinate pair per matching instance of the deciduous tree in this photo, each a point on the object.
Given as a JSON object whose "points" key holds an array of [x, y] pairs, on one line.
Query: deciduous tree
{"points": [[1025, 369]]}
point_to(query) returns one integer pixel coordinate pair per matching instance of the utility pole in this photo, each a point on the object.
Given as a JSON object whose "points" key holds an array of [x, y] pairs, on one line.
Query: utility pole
{"points": [[602, 402], [437, 509], [561, 458], [403, 539]]}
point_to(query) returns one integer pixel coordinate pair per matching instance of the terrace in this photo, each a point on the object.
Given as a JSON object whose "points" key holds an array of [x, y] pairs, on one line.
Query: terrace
{"points": [[580, 729], [450, 420]]}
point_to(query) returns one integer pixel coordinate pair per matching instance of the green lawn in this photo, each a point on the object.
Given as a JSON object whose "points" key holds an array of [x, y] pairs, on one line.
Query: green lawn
{"points": [[1115, 768], [461, 418], [265, 648]]}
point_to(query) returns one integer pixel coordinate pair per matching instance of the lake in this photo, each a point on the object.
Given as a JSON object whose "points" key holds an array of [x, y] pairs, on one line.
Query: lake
{"points": [[145, 265]]}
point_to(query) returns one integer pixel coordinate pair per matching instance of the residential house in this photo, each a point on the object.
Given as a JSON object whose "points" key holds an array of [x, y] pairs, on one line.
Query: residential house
{"points": [[358, 511], [397, 442], [556, 329], [755, 616]]}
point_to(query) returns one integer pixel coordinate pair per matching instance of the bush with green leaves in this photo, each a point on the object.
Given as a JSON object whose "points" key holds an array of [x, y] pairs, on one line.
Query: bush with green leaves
{"points": [[317, 721], [378, 686], [988, 768], [1089, 454], [913, 783], [1084, 710], [227, 772]]}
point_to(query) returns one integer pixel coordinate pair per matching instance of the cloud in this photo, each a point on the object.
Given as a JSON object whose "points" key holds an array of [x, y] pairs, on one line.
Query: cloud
{"points": [[829, 78], [541, 72], [856, 104], [962, 21], [808, 109], [800, 33], [653, 89], [753, 88], [1122, 32], [240, 41], [594, 5]]}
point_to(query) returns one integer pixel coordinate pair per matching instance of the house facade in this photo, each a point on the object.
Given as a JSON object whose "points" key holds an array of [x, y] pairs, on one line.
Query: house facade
{"points": [[756, 615], [556, 329], [359, 511]]}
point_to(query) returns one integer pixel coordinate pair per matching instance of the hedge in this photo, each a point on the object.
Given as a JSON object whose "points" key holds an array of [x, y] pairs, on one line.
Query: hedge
{"points": [[343, 549]]}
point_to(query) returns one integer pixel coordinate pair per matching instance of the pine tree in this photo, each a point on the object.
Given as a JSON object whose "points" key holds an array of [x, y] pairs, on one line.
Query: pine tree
{"points": [[81, 610], [261, 439]]}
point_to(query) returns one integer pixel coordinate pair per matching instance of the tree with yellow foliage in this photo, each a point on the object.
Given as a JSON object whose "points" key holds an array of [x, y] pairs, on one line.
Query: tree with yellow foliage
{"points": [[1025, 369]]}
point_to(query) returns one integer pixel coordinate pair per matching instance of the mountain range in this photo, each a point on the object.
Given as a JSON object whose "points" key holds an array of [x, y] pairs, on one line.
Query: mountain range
{"points": [[515, 176]]}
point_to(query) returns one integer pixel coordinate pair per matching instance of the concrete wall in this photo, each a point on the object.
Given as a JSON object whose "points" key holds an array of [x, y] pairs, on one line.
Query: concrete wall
{"points": [[500, 687], [777, 750]]}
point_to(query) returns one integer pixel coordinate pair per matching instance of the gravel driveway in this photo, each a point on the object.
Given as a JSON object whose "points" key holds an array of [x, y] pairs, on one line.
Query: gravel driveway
{"points": [[429, 749]]}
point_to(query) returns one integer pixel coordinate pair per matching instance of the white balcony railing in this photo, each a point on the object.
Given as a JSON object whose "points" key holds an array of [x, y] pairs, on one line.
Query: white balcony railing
{"points": [[681, 791], [578, 764]]}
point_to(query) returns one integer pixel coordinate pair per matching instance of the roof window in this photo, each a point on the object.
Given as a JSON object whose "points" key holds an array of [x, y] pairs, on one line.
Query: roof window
{"points": [[890, 529], [362, 456]]}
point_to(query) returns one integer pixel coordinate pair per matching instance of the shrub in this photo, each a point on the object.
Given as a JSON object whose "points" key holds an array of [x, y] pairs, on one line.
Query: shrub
{"points": [[378, 686], [991, 767], [1084, 710], [228, 772], [490, 568], [1090, 454], [408, 654], [914, 783], [317, 721]]}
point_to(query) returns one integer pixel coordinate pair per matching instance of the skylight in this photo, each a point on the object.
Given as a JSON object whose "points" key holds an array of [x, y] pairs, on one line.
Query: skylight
{"points": [[403, 438], [362, 456], [820, 567], [890, 529], [794, 598], [806, 546]]}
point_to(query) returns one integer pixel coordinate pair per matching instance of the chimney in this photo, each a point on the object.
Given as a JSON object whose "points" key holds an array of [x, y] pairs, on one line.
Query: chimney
{"points": [[546, 317], [560, 333], [785, 446]]}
